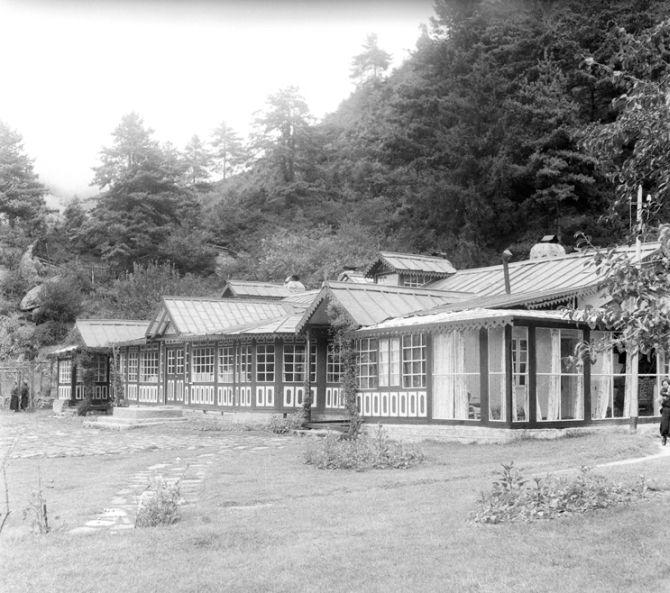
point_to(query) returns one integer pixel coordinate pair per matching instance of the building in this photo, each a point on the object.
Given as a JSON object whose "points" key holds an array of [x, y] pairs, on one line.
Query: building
{"points": [[469, 352]]}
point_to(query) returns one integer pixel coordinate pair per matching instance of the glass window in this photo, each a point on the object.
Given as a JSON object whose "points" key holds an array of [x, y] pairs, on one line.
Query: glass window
{"points": [[265, 363], [367, 363], [244, 362], [202, 364], [294, 363], [226, 364], [520, 396], [100, 369], [149, 366], [65, 371], [132, 365], [413, 361], [456, 375], [389, 362], [175, 361], [333, 364], [560, 377]]}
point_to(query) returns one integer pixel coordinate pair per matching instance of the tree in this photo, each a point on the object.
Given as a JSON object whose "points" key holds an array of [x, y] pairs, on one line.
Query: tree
{"points": [[283, 134], [228, 149], [21, 194], [144, 204], [197, 162], [371, 63]]}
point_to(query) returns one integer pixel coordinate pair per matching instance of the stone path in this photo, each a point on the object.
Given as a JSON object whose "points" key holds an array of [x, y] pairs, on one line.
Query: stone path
{"points": [[121, 513]]}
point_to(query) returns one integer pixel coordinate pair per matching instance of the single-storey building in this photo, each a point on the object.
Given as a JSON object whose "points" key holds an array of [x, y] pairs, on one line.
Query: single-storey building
{"points": [[481, 349]]}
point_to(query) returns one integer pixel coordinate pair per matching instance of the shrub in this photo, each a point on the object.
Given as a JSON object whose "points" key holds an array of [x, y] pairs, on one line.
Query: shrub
{"points": [[513, 498], [284, 425], [84, 406], [159, 504], [361, 453]]}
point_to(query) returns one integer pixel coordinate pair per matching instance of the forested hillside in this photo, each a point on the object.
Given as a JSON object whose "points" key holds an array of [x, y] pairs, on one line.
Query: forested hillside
{"points": [[510, 120]]}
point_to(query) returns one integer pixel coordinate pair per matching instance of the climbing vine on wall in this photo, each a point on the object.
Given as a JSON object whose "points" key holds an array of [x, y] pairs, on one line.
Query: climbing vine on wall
{"points": [[342, 328]]}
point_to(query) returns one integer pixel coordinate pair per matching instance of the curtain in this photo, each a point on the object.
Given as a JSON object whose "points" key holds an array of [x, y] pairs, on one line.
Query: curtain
{"points": [[460, 388], [554, 403], [443, 400]]}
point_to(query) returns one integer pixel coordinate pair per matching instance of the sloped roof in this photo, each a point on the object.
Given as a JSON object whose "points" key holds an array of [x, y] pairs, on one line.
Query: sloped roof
{"points": [[470, 319], [408, 263], [252, 289], [103, 333], [302, 299], [367, 304], [202, 316], [569, 272]]}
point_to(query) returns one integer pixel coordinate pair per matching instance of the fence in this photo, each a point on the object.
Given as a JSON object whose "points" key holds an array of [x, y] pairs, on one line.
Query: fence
{"points": [[39, 376]]}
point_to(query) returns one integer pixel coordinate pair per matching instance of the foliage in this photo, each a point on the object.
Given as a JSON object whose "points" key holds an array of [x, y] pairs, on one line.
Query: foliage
{"points": [[285, 424], [638, 312], [36, 510], [345, 346], [513, 498], [378, 452], [60, 300], [137, 294], [159, 504], [371, 63], [229, 152], [21, 194]]}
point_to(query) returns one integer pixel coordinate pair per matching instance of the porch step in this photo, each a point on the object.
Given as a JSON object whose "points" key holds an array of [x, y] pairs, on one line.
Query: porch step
{"points": [[337, 425], [125, 418]]}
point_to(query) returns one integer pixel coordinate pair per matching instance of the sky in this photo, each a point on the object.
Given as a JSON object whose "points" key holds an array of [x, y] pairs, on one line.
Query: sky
{"points": [[72, 68]]}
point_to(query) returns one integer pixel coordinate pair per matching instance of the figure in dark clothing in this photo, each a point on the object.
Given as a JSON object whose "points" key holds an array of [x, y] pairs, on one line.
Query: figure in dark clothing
{"points": [[665, 410], [14, 399], [25, 392]]}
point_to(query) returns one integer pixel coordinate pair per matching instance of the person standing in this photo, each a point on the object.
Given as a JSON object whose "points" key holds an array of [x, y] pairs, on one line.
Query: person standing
{"points": [[665, 410], [25, 393], [14, 398]]}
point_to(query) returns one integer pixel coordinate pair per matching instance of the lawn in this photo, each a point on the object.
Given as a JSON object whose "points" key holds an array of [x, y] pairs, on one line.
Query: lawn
{"points": [[267, 522]]}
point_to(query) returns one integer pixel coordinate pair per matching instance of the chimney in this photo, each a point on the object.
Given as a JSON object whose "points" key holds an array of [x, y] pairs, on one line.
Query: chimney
{"points": [[506, 256]]}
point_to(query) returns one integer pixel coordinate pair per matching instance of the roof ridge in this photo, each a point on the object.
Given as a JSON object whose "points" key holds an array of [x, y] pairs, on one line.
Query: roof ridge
{"points": [[573, 255], [390, 288]]}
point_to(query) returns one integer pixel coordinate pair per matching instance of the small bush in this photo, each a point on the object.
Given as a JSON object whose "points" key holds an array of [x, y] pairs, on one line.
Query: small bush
{"points": [[159, 504], [284, 425], [84, 407], [513, 498], [361, 453]]}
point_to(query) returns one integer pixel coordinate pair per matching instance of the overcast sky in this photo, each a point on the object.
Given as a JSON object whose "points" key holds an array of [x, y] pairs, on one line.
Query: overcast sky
{"points": [[72, 68]]}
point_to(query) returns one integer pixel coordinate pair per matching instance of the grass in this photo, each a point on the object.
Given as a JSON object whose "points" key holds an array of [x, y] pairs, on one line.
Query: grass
{"points": [[266, 522]]}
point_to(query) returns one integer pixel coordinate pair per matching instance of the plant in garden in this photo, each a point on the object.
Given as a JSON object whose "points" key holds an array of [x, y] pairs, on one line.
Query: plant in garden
{"points": [[342, 327], [159, 504], [36, 510], [513, 498], [284, 425], [379, 452]]}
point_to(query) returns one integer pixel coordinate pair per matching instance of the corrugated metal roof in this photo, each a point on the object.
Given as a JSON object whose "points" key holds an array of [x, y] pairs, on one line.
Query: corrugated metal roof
{"points": [[408, 262], [469, 318], [368, 304], [302, 299], [573, 271], [250, 289], [202, 316], [102, 333]]}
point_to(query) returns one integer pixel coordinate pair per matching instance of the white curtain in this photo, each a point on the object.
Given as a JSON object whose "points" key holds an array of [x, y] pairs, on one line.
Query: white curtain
{"points": [[443, 401], [460, 387], [554, 400], [450, 394]]}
